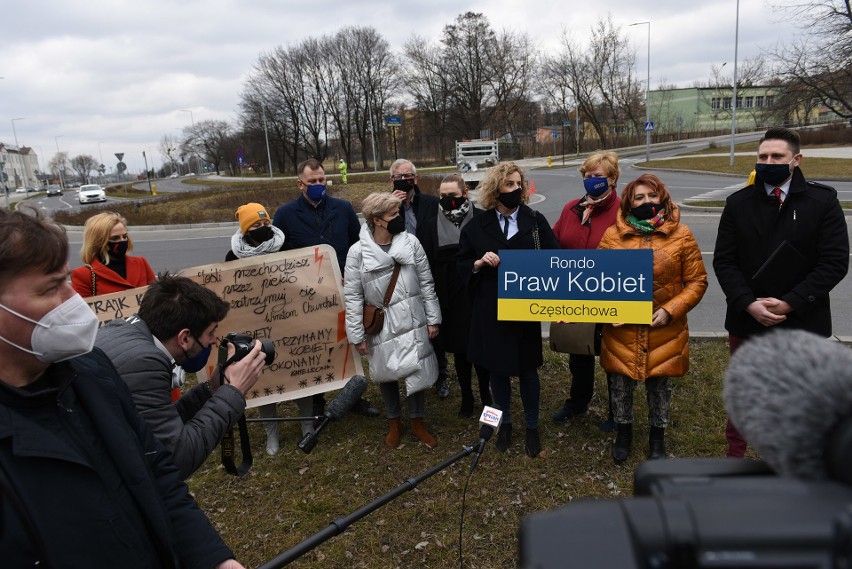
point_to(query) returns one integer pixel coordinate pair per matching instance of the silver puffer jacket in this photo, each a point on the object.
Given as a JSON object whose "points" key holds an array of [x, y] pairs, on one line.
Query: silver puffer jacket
{"points": [[402, 349]]}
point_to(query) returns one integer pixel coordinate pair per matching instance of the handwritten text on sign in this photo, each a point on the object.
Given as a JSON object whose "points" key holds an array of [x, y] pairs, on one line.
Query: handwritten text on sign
{"points": [[293, 298], [576, 285]]}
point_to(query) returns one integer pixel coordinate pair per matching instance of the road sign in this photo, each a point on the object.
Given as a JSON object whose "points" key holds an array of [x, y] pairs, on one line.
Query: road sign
{"points": [[649, 126], [120, 155], [566, 123], [554, 134], [393, 120], [121, 166]]}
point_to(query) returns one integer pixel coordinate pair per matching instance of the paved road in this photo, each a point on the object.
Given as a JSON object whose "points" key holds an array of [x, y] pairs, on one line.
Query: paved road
{"points": [[178, 248]]}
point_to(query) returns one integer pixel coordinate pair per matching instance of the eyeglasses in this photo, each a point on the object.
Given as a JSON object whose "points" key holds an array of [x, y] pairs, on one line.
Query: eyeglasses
{"points": [[402, 177]]}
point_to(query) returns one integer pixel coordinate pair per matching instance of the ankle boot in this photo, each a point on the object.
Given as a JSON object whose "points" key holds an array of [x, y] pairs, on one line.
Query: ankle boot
{"points": [[394, 433], [504, 437], [657, 443], [418, 429], [532, 444], [271, 437], [623, 441]]}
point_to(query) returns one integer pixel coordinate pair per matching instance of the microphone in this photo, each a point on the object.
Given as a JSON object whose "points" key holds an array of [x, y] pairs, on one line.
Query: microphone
{"points": [[788, 392], [345, 400], [490, 421]]}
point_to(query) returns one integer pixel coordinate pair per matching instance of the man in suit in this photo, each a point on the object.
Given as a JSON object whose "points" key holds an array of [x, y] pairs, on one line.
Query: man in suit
{"points": [[417, 208], [83, 481], [779, 206]]}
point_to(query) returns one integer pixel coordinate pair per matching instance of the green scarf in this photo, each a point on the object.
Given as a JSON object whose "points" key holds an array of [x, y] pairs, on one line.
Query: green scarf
{"points": [[647, 226]]}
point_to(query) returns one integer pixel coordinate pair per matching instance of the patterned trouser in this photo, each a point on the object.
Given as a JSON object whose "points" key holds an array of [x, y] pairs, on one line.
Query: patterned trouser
{"points": [[658, 391]]}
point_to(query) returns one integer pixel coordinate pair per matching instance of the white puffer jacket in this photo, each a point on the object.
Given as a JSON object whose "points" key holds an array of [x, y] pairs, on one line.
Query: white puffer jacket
{"points": [[402, 349]]}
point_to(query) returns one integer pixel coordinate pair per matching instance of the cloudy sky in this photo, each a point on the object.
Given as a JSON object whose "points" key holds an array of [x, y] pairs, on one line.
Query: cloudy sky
{"points": [[112, 76]]}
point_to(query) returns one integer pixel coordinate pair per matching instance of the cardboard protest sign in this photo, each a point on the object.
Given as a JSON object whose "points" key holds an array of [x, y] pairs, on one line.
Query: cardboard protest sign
{"points": [[293, 298]]}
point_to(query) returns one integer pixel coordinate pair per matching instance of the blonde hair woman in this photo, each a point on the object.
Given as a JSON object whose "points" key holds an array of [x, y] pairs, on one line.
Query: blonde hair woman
{"points": [[504, 348], [401, 351], [106, 265]]}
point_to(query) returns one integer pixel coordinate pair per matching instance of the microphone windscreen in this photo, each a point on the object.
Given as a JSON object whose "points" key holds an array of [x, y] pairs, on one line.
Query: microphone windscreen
{"points": [[347, 398], [486, 432], [786, 391]]}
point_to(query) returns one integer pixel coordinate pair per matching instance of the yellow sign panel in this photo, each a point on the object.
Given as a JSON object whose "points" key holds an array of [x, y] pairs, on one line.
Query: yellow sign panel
{"points": [[604, 311]]}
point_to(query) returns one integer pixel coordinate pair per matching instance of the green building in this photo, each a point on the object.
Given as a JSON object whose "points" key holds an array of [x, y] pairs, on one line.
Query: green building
{"points": [[708, 109]]}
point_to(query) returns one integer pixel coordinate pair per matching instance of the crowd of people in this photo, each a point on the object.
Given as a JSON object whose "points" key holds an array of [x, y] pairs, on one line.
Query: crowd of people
{"points": [[103, 431]]}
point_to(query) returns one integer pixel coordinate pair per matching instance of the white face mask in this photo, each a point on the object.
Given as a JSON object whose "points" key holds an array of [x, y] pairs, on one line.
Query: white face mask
{"points": [[65, 332]]}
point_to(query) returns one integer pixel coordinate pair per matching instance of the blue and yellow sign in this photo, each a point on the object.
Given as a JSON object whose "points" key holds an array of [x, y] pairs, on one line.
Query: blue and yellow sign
{"points": [[576, 285]]}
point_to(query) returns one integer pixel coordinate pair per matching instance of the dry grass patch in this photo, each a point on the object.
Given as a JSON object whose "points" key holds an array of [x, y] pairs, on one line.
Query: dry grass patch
{"points": [[289, 497]]}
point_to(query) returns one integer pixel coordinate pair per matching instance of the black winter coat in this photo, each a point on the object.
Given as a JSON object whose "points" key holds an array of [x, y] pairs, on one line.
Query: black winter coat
{"points": [[449, 286], [503, 348], [752, 227], [65, 496]]}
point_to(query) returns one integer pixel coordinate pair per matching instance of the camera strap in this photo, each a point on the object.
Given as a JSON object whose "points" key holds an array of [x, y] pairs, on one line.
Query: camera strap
{"points": [[245, 448]]}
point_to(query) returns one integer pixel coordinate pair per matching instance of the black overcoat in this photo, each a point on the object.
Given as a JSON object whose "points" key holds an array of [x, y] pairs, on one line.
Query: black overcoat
{"points": [[449, 286], [752, 227], [503, 348]]}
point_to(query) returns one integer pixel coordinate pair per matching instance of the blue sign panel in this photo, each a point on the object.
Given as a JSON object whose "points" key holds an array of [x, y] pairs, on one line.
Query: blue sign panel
{"points": [[576, 285], [393, 120]]}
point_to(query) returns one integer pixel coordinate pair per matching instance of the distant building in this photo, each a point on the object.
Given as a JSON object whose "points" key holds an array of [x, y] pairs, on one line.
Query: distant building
{"points": [[21, 166], [710, 108]]}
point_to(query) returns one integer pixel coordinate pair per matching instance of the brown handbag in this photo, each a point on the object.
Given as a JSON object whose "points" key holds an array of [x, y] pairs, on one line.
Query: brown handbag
{"points": [[374, 316]]}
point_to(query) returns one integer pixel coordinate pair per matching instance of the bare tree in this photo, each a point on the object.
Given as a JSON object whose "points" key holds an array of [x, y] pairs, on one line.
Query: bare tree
{"points": [[513, 64], [208, 140], [822, 61], [467, 43], [59, 163], [83, 164], [169, 150], [427, 83]]}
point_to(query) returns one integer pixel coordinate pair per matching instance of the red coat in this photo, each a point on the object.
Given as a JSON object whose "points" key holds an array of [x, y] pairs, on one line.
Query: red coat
{"points": [[139, 273], [573, 235]]}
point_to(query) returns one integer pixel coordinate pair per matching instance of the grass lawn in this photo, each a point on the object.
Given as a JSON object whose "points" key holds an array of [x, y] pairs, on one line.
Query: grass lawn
{"points": [[814, 168], [287, 498]]}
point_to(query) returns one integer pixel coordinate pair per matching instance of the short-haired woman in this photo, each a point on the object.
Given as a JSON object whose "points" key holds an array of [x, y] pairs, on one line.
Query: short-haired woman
{"points": [[107, 266], [504, 348], [581, 226], [440, 238], [633, 353], [402, 350]]}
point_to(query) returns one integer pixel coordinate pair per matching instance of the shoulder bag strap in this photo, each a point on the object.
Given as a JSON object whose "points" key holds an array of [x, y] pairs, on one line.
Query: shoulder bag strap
{"points": [[536, 237], [391, 286], [94, 283]]}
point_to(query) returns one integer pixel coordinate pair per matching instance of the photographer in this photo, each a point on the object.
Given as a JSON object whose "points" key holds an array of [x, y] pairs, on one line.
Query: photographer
{"points": [[176, 324]]}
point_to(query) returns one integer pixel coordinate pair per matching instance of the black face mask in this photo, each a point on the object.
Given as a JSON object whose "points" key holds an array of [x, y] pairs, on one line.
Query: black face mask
{"points": [[261, 234], [449, 203], [511, 200], [645, 211], [118, 249], [404, 185], [396, 225]]}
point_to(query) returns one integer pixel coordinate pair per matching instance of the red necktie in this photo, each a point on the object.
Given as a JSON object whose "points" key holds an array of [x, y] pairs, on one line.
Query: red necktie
{"points": [[778, 196]]}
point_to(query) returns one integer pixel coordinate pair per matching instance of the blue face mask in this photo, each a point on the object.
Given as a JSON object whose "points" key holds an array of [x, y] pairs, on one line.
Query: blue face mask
{"points": [[596, 186], [196, 363], [316, 192], [773, 174]]}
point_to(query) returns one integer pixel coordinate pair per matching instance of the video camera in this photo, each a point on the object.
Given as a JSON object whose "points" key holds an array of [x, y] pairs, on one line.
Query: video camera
{"points": [[693, 513], [243, 344]]}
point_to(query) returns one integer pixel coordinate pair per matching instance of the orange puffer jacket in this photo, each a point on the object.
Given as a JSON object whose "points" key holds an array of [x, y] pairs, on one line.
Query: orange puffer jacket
{"points": [[637, 350]]}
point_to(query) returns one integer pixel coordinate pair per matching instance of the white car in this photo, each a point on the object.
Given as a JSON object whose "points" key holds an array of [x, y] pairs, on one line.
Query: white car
{"points": [[91, 193]]}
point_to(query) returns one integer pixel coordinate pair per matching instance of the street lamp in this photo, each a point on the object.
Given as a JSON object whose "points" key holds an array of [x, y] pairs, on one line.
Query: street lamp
{"points": [[647, 95], [61, 166], [192, 119], [16, 132], [734, 100]]}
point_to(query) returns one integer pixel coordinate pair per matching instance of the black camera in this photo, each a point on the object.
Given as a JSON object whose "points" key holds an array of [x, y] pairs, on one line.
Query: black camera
{"points": [[243, 344], [696, 513]]}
